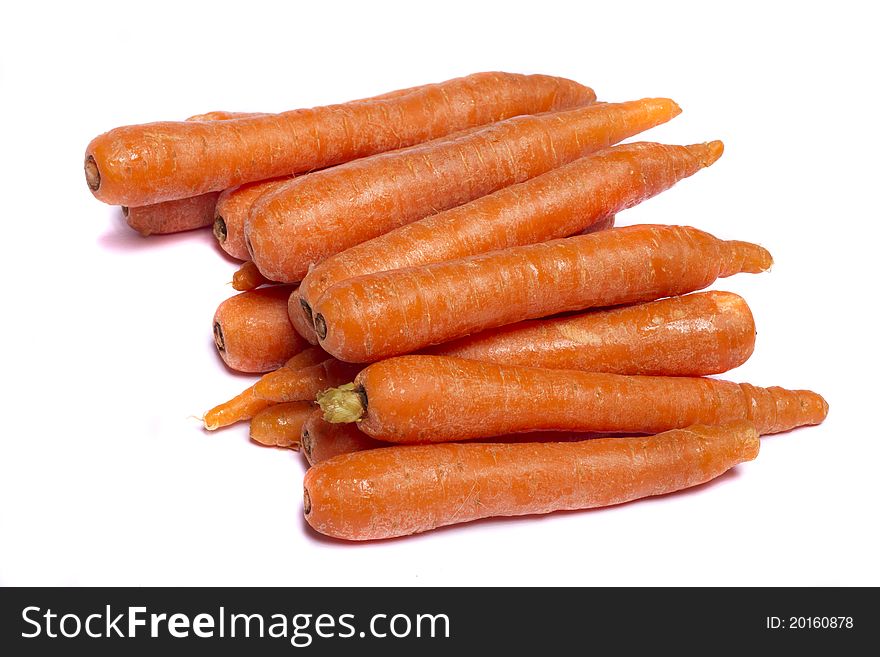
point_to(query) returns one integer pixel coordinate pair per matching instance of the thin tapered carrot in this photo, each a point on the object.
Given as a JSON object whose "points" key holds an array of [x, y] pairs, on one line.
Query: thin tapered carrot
{"points": [[692, 335], [397, 491], [252, 331], [420, 398], [559, 203], [248, 277], [396, 312], [320, 440], [389, 190], [246, 405], [285, 385], [172, 216], [232, 210], [280, 425], [144, 164]]}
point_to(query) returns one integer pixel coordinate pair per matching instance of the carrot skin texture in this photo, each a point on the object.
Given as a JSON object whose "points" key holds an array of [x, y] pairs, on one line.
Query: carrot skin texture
{"points": [[172, 216], [252, 331], [144, 164], [562, 202], [322, 440], [286, 385], [392, 189], [413, 399], [692, 335], [248, 277], [385, 493], [280, 425], [246, 405], [379, 315]]}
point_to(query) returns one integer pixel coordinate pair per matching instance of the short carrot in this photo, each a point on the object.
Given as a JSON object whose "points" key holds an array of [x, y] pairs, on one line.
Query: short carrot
{"points": [[321, 440], [692, 335], [144, 164], [280, 425], [248, 277], [252, 331], [285, 385], [246, 405], [420, 398], [232, 210], [395, 312], [559, 203], [397, 491], [172, 216], [391, 189]]}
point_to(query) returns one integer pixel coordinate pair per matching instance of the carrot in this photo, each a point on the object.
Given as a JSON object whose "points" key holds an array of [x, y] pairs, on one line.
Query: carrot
{"points": [[248, 277], [692, 335], [280, 425], [383, 493], [420, 398], [389, 190], [395, 312], [252, 331], [232, 210], [144, 164], [172, 216], [321, 440], [286, 385], [245, 405], [557, 204]]}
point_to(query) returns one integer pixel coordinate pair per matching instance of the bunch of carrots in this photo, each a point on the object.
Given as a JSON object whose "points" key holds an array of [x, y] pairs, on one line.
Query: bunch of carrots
{"points": [[446, 320]]}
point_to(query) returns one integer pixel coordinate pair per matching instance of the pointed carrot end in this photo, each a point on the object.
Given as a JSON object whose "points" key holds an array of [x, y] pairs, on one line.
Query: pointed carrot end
{"points": [[714, 150]]}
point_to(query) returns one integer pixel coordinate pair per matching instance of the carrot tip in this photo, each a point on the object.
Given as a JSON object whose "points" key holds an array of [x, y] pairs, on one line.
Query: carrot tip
{"points": [[307, 309], [307, 502], [320, 325], [93, 176], [343, 404], [218, 337], [125, 211], [715, 151], [305, 441], [220, 228]]}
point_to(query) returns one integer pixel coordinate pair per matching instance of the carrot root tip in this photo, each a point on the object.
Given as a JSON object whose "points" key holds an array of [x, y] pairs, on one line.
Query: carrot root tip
{"points": [[344, 404], [320, 325], [220, 228], [307, 502], [307, 309], [218, 337], [93, 176]]}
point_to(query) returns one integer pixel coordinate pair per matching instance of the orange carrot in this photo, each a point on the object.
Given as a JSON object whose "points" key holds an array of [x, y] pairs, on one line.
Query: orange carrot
{"points": [[248, 277], [321, 440], [301, 321], [389, 190], [252, 331], [287, 385], [692, 335], [232, 210], [172, 216], [280, 425], [245, 405], [383, 493], [421, 398], [395, 312], [559, 203], [144, 164]]}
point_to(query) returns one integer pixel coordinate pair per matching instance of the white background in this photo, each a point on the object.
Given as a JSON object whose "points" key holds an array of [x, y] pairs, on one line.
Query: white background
{"points": [[107, 478]]}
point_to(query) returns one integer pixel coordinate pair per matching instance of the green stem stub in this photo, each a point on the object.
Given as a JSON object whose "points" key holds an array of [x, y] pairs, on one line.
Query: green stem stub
{"points": [[347, 403]]}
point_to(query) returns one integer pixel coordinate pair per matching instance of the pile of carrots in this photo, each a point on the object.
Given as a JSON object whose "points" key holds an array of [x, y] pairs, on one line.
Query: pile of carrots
{"points": [[446, 320]]}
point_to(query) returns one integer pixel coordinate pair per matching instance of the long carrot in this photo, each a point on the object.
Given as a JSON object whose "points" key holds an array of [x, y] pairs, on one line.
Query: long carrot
{"points": [[420, 398], [285, 385], [395, 312], [557, 204], [383, 493], [144, 164], [172, 216], [360, 200], [252, 331], [246, 405], [320, 440], [280, 425], [692, 335], [248, 277]]}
